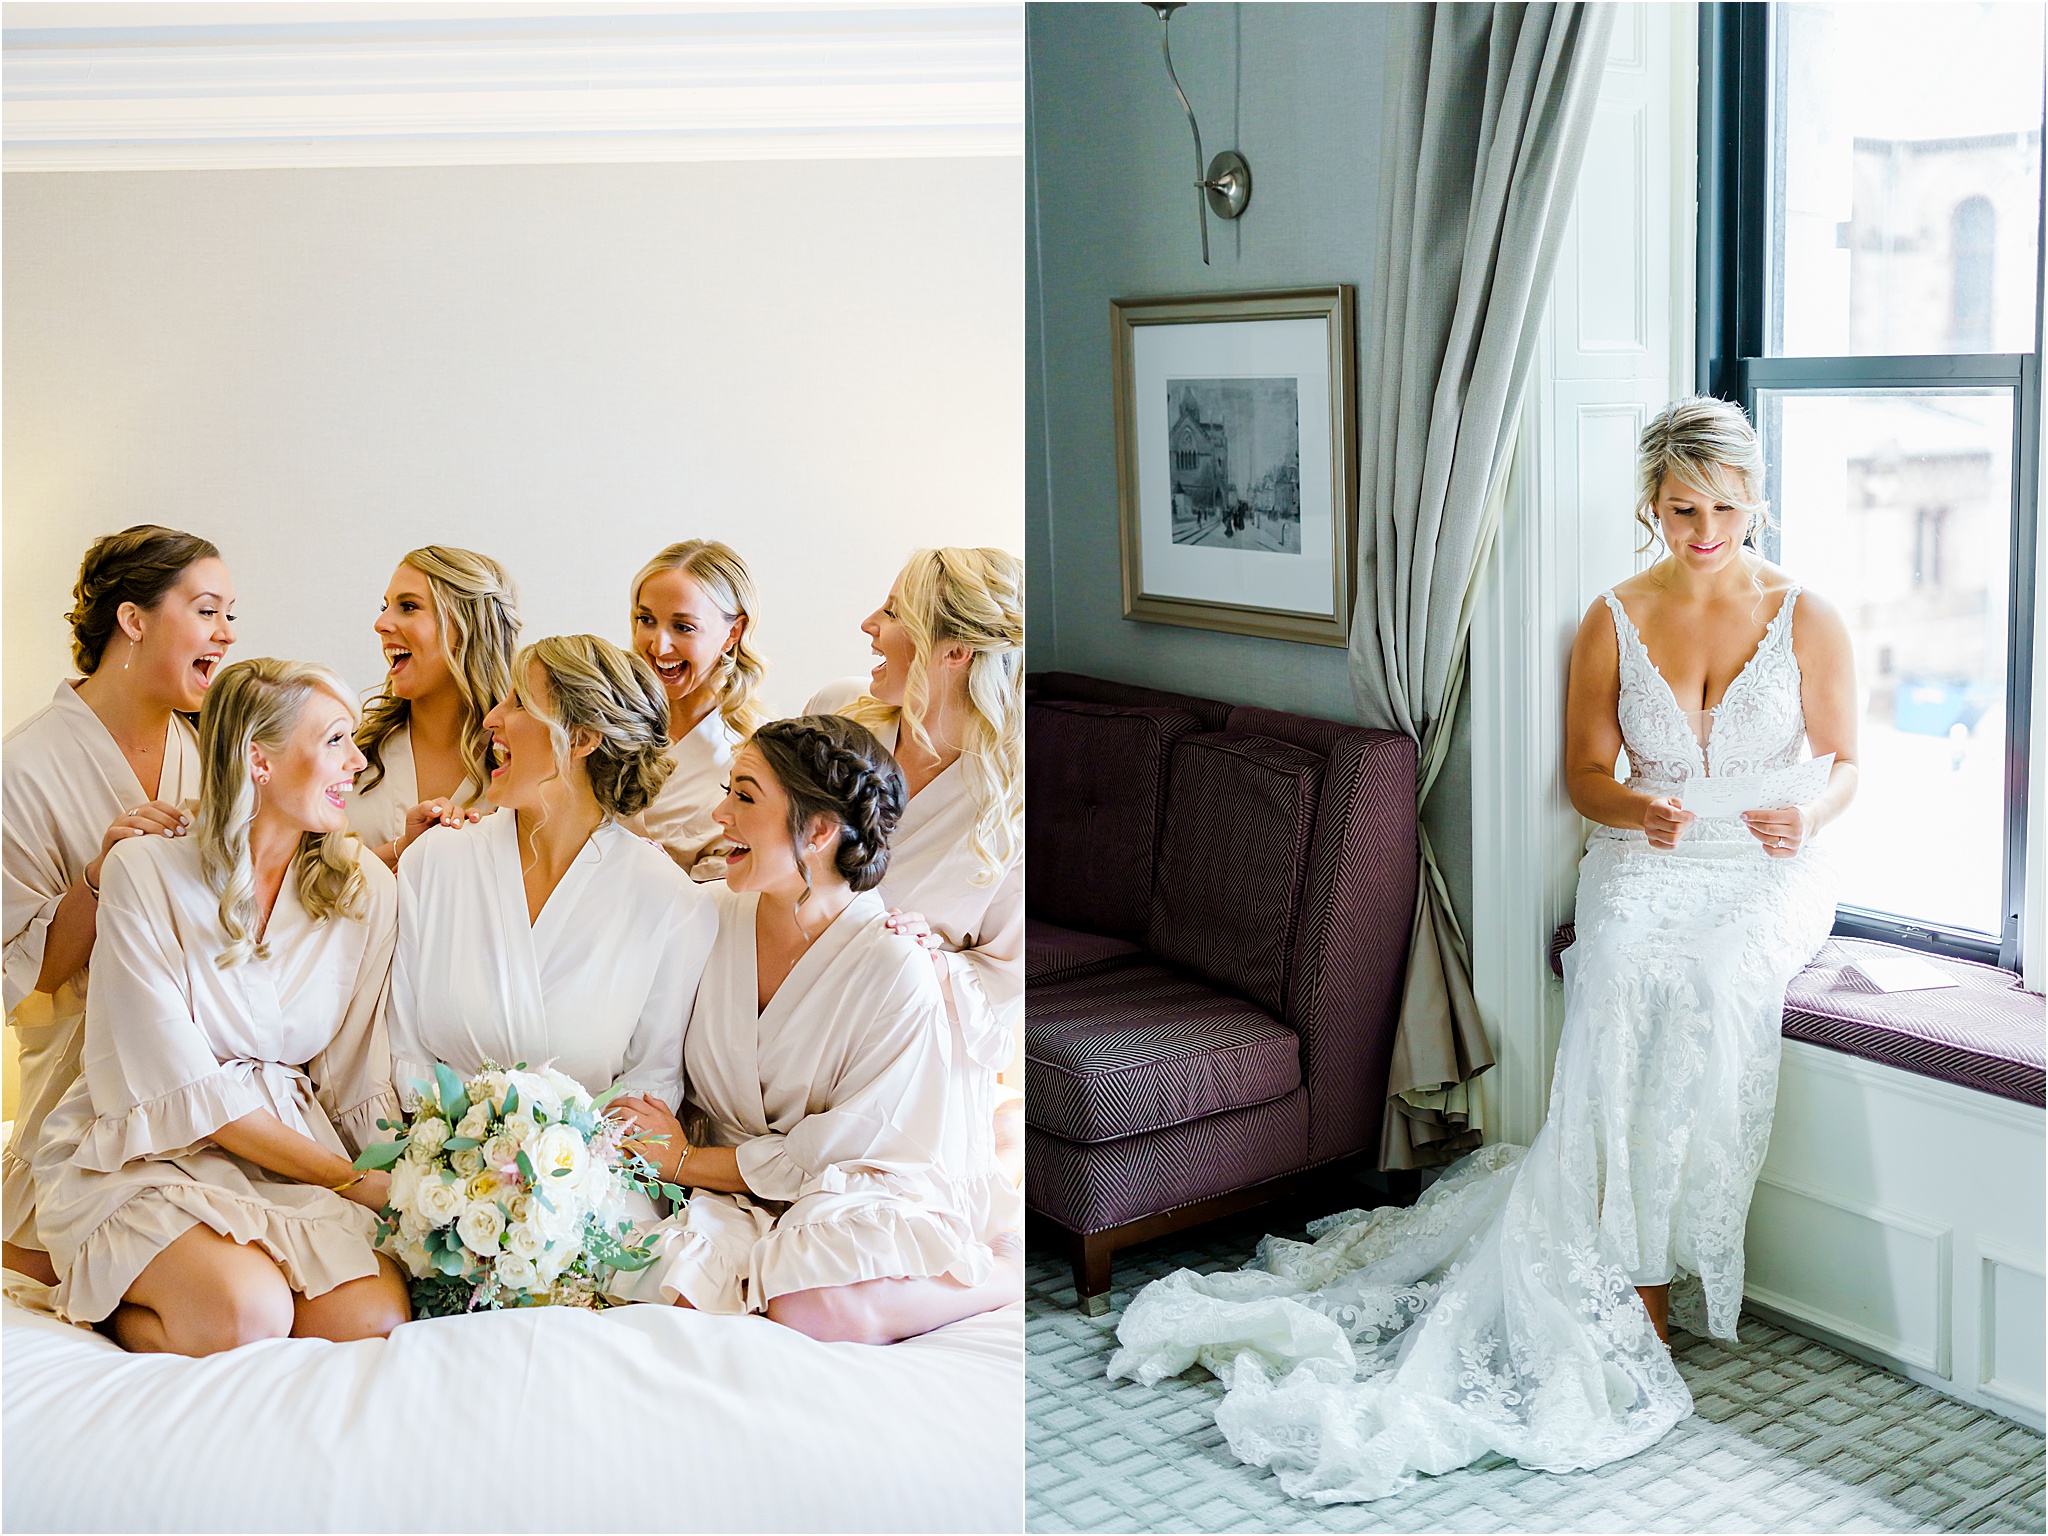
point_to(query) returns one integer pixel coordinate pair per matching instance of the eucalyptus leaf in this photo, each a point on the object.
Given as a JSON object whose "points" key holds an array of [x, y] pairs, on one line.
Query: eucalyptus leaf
{"points": [[511, 1100], [379, 1154], [461, 1143]]}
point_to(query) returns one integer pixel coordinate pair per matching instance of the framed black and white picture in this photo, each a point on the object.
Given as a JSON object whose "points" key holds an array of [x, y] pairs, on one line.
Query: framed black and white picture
{"points": [[1237, 461]]}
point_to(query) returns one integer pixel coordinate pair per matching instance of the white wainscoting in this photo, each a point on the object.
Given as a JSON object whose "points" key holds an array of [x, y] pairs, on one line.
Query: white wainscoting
{"points": [[1901, 1218]]}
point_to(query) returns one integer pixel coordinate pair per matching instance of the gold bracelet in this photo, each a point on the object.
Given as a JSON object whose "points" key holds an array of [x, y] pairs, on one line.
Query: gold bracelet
{"points": [[350, 1182], [681, 1158]]}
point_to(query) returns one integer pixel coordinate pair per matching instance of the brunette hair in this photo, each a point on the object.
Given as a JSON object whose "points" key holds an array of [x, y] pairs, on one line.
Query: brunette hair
{"points": [[138, 565], [831, 766]]}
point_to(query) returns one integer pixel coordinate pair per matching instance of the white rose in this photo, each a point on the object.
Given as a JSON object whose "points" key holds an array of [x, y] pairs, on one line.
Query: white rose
{"points": [[439, 1200], [413, 1227], [566, 1088], [413, 1254], [515, 1273], [480, 1228], [519, 1128], [535, 1092], [549, 1266], [476, 1122], [525, 1240], [491, 1085], [429, 1135], [469, 1162], [501, 1151], [405, 1184], [559, 1156]]}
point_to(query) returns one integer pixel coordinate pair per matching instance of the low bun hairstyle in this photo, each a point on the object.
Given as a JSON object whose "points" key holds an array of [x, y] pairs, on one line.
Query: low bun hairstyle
{"points": [[1709, 445], [614, 695], [137, 565], [831, 766]]}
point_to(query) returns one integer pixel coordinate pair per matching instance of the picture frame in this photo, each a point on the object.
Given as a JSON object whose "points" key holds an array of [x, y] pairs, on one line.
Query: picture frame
{"points": [[1237, 461]]}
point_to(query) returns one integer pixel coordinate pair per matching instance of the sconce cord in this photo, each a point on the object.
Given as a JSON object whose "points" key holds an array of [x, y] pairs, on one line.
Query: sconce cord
{"points": [[1201, 182]]}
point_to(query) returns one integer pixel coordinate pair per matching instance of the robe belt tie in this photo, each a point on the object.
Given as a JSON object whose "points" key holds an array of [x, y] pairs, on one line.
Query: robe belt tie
{"points": [[288, 1089]]}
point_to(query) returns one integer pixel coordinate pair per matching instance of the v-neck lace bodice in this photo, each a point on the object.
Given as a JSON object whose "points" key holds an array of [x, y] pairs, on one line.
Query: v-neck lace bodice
{"points": [[1759, 724]]}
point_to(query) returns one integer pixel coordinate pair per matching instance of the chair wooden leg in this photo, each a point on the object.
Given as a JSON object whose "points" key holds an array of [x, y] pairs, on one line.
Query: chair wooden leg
{"points": [[1091, 1252]]}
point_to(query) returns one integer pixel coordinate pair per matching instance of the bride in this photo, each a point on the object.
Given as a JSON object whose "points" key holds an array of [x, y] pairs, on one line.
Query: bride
{"points": [[1519, 1307]]}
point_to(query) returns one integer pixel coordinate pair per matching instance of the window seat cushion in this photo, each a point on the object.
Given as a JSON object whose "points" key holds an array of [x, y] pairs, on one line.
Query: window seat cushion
{"points": [[1984, 1033]]}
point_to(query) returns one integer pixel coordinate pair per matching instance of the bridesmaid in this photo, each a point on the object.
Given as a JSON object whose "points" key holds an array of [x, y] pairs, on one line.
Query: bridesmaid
{"points": [[816, 1055], [551, 935], [195, 1184], [947, 697], [692, 607], [111, 757], [449, 626]]}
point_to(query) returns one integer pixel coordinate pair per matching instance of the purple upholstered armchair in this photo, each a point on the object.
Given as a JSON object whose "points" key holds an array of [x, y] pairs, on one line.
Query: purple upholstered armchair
{"points": [[1218, 913]]}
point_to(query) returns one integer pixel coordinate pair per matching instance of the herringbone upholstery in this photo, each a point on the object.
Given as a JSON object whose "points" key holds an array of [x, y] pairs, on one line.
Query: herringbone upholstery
{"points": [[1226, 900], [1051, 951], [1133, 1048], [1092, 1187], [1091, 835]]}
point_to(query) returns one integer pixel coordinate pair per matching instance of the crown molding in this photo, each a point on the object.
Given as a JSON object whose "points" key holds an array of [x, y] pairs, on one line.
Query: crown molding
{"points": [[508, 85]]}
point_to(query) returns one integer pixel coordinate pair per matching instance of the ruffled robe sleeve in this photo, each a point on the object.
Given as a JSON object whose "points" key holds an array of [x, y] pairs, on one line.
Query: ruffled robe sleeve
{"points": [[987, 978], [156, 1085], [352, 1075], [32, 885], [885, 1109]]}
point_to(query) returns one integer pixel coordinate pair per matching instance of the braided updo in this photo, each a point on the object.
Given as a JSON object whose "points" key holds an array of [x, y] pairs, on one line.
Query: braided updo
{"points": [[137, 565], [830, 766]]}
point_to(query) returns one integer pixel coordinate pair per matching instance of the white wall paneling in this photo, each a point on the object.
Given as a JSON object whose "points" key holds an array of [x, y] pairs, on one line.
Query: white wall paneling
{"points": [[212, 87], [1902, 1219]]}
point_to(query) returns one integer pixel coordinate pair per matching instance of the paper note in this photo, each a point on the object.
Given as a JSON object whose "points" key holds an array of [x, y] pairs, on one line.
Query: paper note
{"points": [[1898, 972], [1732, 794]]}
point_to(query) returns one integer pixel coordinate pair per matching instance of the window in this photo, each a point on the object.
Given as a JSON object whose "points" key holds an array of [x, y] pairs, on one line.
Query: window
{"points": [[1870, 288]]}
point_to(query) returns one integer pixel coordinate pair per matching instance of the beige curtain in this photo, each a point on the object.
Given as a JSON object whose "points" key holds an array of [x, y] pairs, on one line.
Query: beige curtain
{"points": [[1488, 109]]}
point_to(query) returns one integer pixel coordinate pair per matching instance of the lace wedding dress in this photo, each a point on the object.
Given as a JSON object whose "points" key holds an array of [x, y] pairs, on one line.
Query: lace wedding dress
{"points": [[1498, 1314]]}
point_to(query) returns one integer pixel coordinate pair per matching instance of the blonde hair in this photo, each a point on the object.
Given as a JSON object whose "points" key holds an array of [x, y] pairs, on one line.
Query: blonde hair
{"points": [[258, 702], [724, 576], [613, 694], [971, 597], [476, 609], [1709, 445]]}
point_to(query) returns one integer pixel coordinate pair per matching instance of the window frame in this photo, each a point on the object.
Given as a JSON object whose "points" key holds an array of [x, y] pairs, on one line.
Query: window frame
{"points": [[1739, 79]]}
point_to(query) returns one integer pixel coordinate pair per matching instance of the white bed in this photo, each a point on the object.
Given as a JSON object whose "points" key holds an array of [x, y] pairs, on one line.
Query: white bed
{"points": [[640, 1419]]}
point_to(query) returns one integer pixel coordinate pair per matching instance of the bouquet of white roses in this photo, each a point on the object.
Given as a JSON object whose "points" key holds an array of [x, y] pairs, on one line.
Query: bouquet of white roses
{"points": [[508, 1190]]}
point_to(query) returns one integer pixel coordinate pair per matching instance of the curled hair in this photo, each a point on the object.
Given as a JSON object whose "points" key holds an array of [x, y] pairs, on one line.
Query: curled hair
{"points": [[727, 582], [975, 598], [476, 612], [1709, 445], [831, 766], [596, 687], [258, 702], [138, 565]]}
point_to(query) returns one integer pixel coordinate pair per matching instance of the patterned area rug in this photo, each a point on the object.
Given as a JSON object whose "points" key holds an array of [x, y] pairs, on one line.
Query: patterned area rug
{"points": [[1789, 1435]]}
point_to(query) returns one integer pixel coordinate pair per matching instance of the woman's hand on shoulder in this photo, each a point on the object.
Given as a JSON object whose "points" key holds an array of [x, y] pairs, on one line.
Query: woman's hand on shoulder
{"points": [[429, 814], [912, 926], [158, 818]]}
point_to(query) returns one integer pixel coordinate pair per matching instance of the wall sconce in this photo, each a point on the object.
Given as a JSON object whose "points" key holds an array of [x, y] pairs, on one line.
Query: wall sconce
{"points": [[1225, 187]]}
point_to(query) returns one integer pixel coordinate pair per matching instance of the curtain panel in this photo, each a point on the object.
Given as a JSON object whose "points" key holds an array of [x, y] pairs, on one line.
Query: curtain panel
{"points": [[1488, 110]]}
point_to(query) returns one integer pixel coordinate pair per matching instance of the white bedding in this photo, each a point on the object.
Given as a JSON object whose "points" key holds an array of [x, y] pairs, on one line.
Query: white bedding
{"points": [[640, 1419]]}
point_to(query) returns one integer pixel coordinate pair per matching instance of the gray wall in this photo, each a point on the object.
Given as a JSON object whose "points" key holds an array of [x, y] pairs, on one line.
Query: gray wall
{"points": [[1296, 88]]}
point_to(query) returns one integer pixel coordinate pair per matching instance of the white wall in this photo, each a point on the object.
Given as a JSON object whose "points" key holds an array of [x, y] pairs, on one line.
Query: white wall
{"points": [[566, 366]]}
